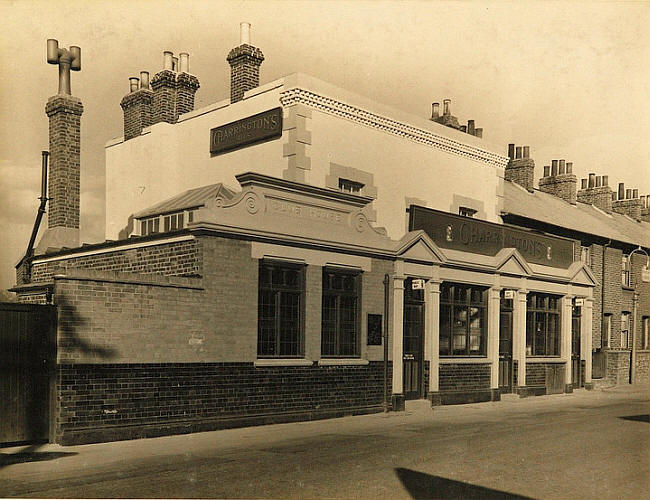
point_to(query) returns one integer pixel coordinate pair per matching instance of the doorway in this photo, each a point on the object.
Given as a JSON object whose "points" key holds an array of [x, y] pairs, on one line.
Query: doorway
{"points": [[413, 341], [576, 365], [505, 346]]}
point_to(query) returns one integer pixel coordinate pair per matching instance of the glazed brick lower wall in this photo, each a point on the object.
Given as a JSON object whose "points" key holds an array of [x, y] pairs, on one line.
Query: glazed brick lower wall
{"points": [[463, 377], [536, 374], [93, 398], [182, 258]]}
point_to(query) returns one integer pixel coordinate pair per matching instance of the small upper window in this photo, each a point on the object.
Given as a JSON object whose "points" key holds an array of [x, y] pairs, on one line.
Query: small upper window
{"points": [[625, 270], [173, 222], [350, 186], [466, 211], [149, 226]]}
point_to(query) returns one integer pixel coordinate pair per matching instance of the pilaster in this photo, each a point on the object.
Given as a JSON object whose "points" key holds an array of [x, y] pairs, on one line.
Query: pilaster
{"points": [[586, 339], [493, 312], [566, 310], [519, 336], [398, 343], [432, 334]]}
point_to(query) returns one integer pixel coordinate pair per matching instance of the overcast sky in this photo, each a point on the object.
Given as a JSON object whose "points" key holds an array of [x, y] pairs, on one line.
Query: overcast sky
{"points": [[568, 79]]}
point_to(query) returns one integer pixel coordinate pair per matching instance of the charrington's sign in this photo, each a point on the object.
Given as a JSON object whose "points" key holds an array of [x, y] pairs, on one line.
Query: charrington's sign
{"points": [[486, 238], [252, 130]]}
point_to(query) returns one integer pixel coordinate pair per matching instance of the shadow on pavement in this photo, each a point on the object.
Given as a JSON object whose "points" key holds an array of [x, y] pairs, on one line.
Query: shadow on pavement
{"points": [[423, 486], [638, 418], [29, 454]]}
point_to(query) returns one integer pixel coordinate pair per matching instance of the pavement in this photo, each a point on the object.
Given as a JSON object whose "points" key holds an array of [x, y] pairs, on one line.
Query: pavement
{"points": [[388, 455]]}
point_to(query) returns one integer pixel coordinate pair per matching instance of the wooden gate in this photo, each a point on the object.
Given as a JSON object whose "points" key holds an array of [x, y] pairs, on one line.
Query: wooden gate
{"points": [[27, 368]]}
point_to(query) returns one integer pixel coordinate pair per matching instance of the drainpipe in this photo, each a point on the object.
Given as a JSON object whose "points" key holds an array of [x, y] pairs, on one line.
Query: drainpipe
{"points": [[386, 310], [635, 301], [39, 216], [602, 301]]}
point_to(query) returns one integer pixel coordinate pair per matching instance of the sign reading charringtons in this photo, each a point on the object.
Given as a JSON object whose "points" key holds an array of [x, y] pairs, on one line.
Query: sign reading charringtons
{"points": [[254, 129], [487, 238]]}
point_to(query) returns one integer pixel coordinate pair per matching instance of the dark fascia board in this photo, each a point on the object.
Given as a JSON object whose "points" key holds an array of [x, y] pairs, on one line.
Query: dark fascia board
{"points": [[325, 193]]}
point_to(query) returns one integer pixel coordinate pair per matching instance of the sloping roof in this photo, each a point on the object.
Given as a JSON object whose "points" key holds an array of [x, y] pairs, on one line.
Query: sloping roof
{"points": [[582, 217], [191, 198]]}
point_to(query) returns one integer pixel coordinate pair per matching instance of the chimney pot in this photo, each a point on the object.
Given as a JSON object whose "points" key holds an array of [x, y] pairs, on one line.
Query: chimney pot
{"points": [[621, 191], [635, 193], [133, 83], [144, 79], [174, 63], [605, 180], [569, 167], [547, 170], [584, 183], [244, 33], [518, 152], [478, 132], [511, 151], [184, 62], [553, 168], [471, 126], [526, 152], [446, 107], [168, 57], [598, 179], [435, 110], [562, 168], [592, 180], [463, 128]]}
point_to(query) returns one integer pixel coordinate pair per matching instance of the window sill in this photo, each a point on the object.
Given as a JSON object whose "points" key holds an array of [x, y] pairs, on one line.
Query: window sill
{"points": [[283, 362], [342, 361], [481, 360]]}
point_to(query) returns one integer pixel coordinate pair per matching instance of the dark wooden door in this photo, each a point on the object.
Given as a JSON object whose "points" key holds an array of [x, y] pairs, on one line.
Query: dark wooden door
{"points": [[576, 371], [413, 342], [505, 351], [27, 357]]}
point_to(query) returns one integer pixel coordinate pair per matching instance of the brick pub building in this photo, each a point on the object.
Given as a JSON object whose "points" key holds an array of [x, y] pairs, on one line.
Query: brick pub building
{"points": [[295, 252]]}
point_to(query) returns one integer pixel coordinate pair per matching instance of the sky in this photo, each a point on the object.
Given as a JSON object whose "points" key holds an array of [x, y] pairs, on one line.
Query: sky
{"points": [[569, 79]]}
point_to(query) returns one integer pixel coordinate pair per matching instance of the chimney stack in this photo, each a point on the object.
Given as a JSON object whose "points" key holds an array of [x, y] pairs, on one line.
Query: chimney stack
{"points": [[245, 61], [520, 168], [64, 112], [561, 183], [137, 106], [596, 192], [174, 88], [629, 203]]}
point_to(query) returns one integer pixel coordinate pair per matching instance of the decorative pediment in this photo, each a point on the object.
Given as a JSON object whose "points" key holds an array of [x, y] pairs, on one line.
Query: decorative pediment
{"points": [[581, 274], [510, 261], [291, 211], [419, 247]]}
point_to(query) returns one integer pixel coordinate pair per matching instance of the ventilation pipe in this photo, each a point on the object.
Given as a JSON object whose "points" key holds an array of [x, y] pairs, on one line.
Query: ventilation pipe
{"points": [[39, 217]]}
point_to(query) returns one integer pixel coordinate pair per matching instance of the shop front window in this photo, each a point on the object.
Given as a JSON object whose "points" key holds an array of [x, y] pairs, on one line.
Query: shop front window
{"points": [[542, 325], [462, 320], [340, 314], [280, 310]]}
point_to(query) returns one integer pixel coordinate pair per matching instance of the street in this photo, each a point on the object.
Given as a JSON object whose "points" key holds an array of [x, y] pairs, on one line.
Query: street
{"points": [[590, 444]]}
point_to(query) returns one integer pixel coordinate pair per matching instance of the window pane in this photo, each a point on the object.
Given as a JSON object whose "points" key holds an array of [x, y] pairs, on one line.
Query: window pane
{"points": [[460, 295], [552, 336], [445, 292], [340, 330], [477, 296], [266, 323], [540, 334], [289, 323], [459, 330], [167, 222], [328, 328], [445, 329], [180, 221]]}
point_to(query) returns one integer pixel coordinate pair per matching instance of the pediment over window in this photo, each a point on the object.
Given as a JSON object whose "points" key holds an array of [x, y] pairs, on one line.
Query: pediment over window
{"points": [[417, 246], [510, 261], [580, 274]]}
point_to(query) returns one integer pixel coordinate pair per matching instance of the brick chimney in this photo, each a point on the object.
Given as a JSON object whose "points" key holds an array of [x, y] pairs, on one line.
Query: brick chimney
{"points": [[137, 106], [596, 191], [245, 61], [448, 120], [64, 112], [645, 208], [520, 168], [559, 181], [174, 89], [628, 202]]}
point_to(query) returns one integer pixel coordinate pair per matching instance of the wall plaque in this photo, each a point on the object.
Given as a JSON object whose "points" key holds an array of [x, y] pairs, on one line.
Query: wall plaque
{"points": [[487, 238], [254, 129], [374, 329]]}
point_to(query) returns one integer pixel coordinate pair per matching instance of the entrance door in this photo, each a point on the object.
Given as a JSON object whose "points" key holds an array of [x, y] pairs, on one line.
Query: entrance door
{"points": [[576, 372], [413, 341], [505, 346]]}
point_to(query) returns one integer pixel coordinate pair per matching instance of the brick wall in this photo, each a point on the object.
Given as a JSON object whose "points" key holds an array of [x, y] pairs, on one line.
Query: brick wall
{"points": [[618, 367], [164, 98], [182, 258], [521, 171], [187, 85], [463, 377], [561, 185], [64, 112], [642, 375], [245, 62], [123, 401], [536, 374]]}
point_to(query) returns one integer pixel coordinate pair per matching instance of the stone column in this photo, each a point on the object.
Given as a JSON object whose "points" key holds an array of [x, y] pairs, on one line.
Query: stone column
{"points": [[432, 339], [493, 313], [586, 340], [566, 310], [519, 339], [397, 399]]}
